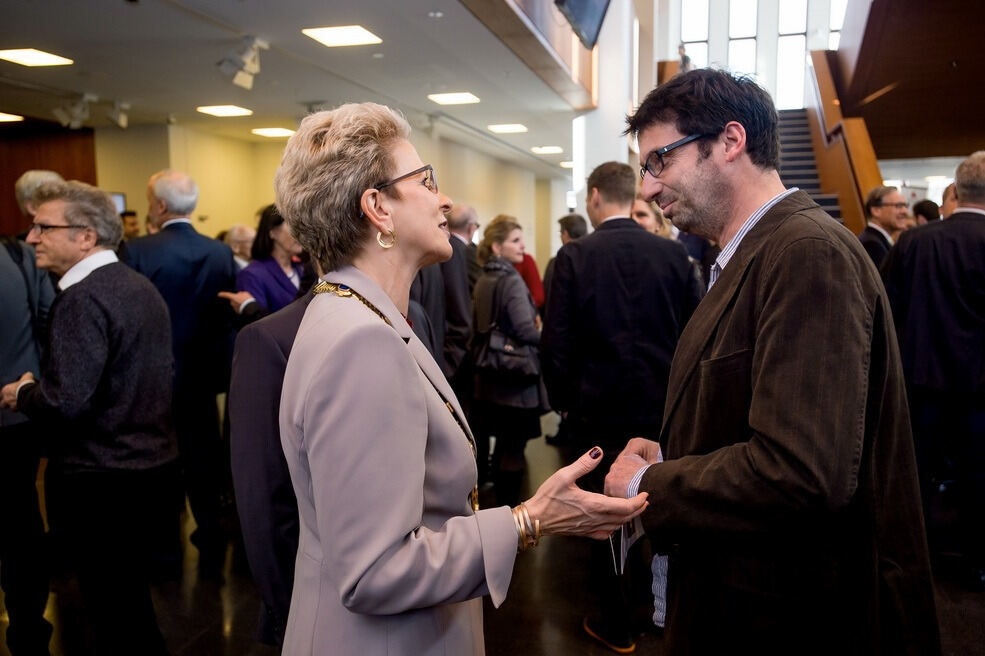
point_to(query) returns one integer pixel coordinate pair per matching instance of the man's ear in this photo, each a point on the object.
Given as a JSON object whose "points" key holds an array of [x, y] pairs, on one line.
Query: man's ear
{"points": [[376, 208], [734, 136]]}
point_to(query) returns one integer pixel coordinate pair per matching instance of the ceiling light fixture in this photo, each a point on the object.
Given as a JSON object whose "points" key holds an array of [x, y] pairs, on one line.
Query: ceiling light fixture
{"points": [[272, 132], [32, 57], [567, 164], [118, 115], [456, 98], [342, 35], [507, 128], [224, 111], [547, 150], [74, 115], [243, 63], [10, 118]]}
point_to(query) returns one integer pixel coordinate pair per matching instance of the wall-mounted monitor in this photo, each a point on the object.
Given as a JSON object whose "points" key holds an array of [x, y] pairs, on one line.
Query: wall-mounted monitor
{"points": [[120, 200], [586, 18]]}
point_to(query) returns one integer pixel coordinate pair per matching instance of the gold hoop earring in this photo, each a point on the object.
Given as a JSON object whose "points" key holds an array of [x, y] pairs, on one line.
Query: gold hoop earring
{"points": [[383, 244]]}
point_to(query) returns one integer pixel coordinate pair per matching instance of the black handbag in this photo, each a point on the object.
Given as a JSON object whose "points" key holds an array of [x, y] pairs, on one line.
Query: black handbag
{"points": [[495, 351]]}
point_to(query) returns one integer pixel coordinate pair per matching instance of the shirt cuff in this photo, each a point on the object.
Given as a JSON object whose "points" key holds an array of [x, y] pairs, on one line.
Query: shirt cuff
{"points": [[17, 390], [634, 483], [243, 305]]}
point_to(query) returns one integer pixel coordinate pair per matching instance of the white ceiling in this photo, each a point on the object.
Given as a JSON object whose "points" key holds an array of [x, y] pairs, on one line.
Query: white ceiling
{"points": [[161, 55]]}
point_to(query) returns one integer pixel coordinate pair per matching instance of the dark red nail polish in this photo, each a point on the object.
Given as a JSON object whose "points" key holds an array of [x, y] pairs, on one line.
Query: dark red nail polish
{"points": [[595, 453]]}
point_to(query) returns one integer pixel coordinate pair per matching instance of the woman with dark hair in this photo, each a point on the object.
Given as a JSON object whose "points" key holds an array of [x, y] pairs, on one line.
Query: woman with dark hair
{"points": [[273, 277], [508, 404]]}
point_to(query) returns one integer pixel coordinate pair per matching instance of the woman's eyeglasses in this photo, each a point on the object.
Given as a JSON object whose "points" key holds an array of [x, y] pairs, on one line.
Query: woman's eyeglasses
{"points": [[429, 181]]}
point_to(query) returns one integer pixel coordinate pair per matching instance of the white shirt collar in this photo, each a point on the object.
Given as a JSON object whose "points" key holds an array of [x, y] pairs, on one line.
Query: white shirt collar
{"points": [[729, 249], [973, 210], [85, 266], [881, 230], [170, 221], [461, 238], [614, 216]]}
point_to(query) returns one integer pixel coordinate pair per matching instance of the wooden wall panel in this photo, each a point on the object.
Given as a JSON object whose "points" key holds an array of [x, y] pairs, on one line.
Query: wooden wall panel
{"points": [[40, 145]]}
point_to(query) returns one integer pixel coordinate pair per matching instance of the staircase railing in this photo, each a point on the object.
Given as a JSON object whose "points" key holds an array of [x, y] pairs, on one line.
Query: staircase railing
{"points": [[846, 160]]}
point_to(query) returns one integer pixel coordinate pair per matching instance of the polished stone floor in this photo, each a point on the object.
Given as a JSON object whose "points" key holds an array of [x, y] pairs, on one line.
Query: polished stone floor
{"points": [[541, 616]]}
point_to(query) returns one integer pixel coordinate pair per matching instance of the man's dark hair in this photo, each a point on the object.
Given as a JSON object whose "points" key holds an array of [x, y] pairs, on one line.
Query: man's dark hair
{"points": [[874, 199], [615, 181], [126, 213], [574, 224], [703, 101], [928, 209]]}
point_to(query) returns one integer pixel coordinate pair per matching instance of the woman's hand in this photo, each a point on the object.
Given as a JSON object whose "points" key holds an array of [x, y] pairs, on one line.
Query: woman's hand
{"points": [[563, 508]]}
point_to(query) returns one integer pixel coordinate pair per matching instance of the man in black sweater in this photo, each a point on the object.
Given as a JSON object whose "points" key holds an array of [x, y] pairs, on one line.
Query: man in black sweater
{"points": [[112, 483]]}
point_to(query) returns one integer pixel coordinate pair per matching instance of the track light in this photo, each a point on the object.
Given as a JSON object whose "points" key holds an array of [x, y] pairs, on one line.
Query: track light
{"points": [[74, 115], [244, 63], [119, 114]]}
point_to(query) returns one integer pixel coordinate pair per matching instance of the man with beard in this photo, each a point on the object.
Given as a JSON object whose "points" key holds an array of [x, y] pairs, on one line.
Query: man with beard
{"points": [[788, 500]]}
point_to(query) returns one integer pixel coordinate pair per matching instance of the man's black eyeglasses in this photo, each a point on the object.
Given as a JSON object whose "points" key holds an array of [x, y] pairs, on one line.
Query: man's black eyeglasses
{"points": [[430, 181], [654, 162], [42, 228]]}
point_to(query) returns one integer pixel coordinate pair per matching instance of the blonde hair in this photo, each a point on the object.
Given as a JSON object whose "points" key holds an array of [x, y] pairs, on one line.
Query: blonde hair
{"points": [[496, 232], [329, 162]]}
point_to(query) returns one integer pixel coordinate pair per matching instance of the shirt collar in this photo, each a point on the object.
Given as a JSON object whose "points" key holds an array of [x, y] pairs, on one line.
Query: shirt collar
{"points": [[973, 210], [85, 266], [614, 216], [729, 249], [882, 231], [171, 221], [460, 238]]}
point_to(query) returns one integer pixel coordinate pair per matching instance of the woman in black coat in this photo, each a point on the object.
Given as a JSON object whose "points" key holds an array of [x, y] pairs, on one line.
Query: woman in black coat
{"points": [[508, 406]]}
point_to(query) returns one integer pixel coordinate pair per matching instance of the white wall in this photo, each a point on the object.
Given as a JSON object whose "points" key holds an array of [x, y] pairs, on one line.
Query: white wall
{"points": [[125, 159]]}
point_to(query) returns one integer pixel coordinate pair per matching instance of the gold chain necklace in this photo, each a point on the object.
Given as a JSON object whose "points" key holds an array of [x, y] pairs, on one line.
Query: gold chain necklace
{"points": [[344, 291]]}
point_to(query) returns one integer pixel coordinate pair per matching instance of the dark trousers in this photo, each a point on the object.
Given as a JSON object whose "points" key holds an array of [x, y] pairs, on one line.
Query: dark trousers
{"points": [[23, 557], [110, 524], [196, 423], [949, 437]]}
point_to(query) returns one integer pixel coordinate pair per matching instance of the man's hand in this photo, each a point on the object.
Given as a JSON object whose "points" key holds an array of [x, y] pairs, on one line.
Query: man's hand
{"points": [[638, 453], [236, 299], [8, 395]]}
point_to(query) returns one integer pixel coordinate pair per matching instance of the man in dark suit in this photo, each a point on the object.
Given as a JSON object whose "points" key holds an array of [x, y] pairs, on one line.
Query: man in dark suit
{"points": [[458, 304], [886, 209], [189, 270], [265, 500], [788, 500], [935, 279], [462, 223], [619, 299]]}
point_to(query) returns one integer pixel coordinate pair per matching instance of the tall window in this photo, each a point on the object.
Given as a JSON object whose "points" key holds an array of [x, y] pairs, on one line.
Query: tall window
{"points": [[836, 21], [694, 31], [791, 54], [742, 15]]}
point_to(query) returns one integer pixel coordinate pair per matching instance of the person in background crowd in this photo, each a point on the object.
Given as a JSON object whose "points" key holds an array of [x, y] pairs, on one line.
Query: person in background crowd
{"points": [[458, 305], [620, 298], [104, 394], [949, 201], [528, 270], [686, 64], [506, 406], [935, 280], [26, 295], [273, 277], [131, 225], [27, 185], [651, 218], [572, 226], [239, 238], [393, 555], [887, 212], [787, 498], [463, 225], [189, 270], [926, 211]]}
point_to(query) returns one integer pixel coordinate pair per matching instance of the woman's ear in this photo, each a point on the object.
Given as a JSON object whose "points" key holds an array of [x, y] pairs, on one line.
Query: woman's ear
{"points": [[497, 249], [376, 208]]}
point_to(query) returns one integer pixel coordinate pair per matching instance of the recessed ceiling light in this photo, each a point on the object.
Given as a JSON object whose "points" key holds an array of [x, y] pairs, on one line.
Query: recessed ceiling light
{"points": [[10, 118], [273, 132], [343, 35], [547, 150], [507, 128], [457, 98], [32, 57], [567, 164], [224, 110], [436, 14]]}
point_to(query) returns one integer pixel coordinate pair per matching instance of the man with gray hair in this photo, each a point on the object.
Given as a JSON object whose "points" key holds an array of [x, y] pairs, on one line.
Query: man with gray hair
{"points": [[104, 395], [462, 224], [935, 278], [189, 270], [239, 239], [886, 210]]}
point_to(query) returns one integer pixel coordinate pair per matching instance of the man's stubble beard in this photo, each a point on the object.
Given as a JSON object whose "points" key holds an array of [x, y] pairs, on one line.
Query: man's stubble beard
{"points": [[702, 206]]}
